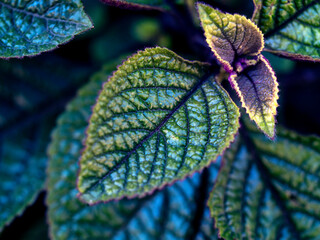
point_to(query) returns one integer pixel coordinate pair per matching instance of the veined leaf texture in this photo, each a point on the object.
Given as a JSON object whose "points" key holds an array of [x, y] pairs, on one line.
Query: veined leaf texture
{"points": [[269, 190], [158, 119], [257, 88], [237, 44], [291, 28], [177, 212], [230, 37], [33, 26]]}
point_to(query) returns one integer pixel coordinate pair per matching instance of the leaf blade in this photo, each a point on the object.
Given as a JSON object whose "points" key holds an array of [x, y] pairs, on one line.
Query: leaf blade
{"points": [[69, 218], [257, 88], [149, 155], [230, 36], [39, 26], [269, 202], [283, 23]]}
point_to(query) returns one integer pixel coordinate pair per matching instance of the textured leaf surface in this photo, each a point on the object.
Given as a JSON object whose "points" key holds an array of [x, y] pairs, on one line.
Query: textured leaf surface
{"points": [[28, 105], [177, 212], [272, 192], [291, 28], [257, 88], [157, 120], [230, 36], [33, 26]]}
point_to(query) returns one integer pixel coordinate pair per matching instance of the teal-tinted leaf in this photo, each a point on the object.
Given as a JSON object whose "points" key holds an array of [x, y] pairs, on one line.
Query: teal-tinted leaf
{"points": [[257, 88], [158, 119], [177, 212], [27, 110], [291, 28], [146, 4], [33, 26], [22, 170], [269, 190], [230, 37]]}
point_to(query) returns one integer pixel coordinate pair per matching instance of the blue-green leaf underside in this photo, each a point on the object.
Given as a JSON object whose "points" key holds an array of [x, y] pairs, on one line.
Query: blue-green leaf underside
{"points": [[271, 192], [167, 214], [291, 28], [158, 119], [33, 26]]}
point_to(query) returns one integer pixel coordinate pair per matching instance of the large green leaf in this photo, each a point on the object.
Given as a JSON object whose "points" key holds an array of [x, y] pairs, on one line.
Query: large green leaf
{"points": [[177, 212], [291, 28], [33, 26], [269, 190], [158, 119], [27, 110]]}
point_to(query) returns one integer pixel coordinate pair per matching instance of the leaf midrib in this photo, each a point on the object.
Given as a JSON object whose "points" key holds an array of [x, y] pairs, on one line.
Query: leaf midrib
{"points": [[290, 19], [202, 80]]}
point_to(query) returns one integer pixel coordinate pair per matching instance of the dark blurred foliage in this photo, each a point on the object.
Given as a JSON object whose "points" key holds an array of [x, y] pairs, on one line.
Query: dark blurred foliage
{"points": [[32, 88]]}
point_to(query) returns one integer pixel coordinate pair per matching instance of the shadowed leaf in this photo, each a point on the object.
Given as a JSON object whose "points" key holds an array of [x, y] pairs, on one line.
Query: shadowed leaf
{"points": [[257, 88], [146, 4], [32, 91], [230, 37], [291, 28], [158, 119], [269, 190], [177, 212], [33, 26]]}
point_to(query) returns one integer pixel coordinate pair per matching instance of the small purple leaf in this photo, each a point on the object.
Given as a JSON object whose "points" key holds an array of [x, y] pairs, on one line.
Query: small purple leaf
{"points": [[231, 37], [257, 88]]}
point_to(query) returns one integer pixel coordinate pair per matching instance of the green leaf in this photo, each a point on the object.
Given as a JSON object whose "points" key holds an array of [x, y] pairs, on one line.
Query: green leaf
{"points": [[146, 4], [230, 37], [30, 27], [269, 190], [177, 212], [291, 28], [158, 119], [27, 112], [257, 88]]}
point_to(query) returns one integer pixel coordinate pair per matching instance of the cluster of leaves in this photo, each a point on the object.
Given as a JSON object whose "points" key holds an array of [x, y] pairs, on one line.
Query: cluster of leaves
{"points": [[160, 120]]}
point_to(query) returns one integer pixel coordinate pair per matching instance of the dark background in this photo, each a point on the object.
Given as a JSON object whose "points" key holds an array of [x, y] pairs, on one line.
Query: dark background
{"points": [[120, 32]]}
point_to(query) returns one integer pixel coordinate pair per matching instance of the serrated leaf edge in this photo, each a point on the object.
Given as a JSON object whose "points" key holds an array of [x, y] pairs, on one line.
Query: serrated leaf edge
{"points": [[229, 139], [273, 109], [227, 66]]}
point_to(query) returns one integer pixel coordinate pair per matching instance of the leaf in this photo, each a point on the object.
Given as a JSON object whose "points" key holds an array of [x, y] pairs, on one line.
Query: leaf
{"points": [[33, 26], [27, 111], [145, 4], [291, 28], [177, 212], [230, 37], [158, 119], [257, 88], [22, 170], [269, 190]]}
